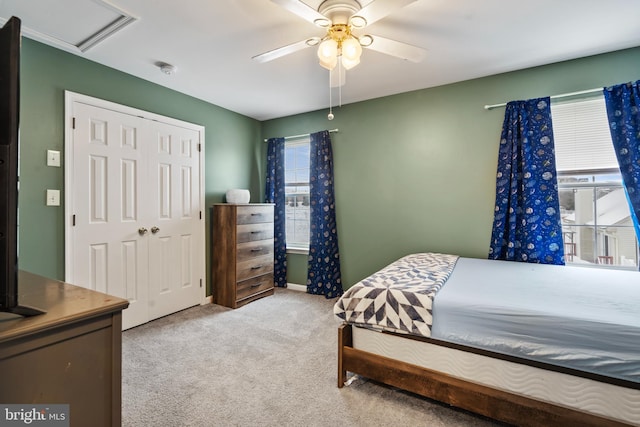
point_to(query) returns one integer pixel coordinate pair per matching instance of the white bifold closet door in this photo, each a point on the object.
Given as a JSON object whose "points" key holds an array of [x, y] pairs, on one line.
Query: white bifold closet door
{"points": [[134, 201]]}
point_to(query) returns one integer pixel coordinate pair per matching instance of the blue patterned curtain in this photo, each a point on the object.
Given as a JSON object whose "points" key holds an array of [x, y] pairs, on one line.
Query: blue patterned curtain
{"points": [[323, 275], [527, 226], [623, 110], [275, 193]]}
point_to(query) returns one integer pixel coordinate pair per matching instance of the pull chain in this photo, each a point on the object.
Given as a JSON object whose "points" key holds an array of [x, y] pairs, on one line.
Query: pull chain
{"points": [[340, 83], [330, 115]]}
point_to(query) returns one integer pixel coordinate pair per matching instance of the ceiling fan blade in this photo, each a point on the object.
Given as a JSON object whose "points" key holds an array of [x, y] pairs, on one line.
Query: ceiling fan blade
{"points": [[397, 49], [286, 50], [378, 9], [303, 11]]}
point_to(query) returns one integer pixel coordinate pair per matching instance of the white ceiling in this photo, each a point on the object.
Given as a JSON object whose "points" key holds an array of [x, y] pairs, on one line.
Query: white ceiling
{"points": [[211, 43]]}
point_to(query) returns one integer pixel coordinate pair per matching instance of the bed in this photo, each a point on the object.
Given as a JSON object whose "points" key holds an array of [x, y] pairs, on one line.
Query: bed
{"points": [[526, 344]]}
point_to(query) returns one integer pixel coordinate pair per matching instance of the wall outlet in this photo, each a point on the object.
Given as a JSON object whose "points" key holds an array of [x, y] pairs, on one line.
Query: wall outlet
{"points": [[53, 197]]}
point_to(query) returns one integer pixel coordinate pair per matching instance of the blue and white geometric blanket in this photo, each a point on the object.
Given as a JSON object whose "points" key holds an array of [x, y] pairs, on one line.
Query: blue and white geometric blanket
{"points": [[399, 297]]}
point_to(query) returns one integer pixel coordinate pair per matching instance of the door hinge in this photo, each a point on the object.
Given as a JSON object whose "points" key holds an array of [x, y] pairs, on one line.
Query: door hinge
{"points": [[74, 220], [200, 282], [199, 147], [73, 123], [200, 214]]}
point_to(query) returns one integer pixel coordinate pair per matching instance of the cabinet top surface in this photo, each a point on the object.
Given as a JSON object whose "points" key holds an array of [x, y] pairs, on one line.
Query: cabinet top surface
{"points": [[64, 303]]}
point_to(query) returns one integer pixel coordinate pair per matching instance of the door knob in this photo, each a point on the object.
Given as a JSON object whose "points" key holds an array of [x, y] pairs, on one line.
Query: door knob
{"points": [[154, 229], [142, 231]]}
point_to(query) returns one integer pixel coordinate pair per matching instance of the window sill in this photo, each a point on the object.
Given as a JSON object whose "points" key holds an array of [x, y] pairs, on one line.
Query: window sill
{"points": [[601, 266], [297, 250]]}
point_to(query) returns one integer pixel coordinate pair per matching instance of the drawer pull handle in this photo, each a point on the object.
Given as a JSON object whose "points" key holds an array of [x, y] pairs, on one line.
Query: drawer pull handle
{"points": [[256, 232], [256, 250], [256, 214], [257, 267], [256, 285]]}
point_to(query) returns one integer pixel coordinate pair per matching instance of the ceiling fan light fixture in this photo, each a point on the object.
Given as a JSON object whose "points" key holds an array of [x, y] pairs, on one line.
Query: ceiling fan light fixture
{"points": [[349, 63], [351, 51], [328, 53], [329, 64]]}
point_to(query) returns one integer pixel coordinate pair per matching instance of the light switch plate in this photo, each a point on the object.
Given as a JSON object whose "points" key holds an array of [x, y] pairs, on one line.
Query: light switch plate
{"points": [[53, 197], [53, 158]]}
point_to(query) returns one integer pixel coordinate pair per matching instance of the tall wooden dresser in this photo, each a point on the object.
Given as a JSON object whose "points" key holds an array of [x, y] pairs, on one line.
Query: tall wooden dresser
{"points": [[242, 265]]}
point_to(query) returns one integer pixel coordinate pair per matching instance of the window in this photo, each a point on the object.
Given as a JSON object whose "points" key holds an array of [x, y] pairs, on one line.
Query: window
{"points": [[297, 208], [597, 227]]}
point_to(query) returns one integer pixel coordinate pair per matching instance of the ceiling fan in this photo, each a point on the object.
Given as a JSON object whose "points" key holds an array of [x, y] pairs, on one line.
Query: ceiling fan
{"points": [[343, 20]]}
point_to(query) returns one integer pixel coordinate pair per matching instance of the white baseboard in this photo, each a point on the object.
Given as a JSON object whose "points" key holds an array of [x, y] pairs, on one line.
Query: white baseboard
{"points": [[292, 286], [296, 287]]}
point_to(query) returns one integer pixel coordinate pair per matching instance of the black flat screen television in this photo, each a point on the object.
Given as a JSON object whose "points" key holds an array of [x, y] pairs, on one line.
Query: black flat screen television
{"points": [[9, 140]]}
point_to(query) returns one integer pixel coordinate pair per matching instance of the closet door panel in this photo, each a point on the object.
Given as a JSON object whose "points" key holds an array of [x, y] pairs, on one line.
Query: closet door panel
{"points": [[109, 254], [135, 208], [175, 214]]}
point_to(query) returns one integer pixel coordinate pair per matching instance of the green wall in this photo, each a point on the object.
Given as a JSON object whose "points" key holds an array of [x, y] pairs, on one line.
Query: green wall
{"points": [[231, 160], [416, 171]]}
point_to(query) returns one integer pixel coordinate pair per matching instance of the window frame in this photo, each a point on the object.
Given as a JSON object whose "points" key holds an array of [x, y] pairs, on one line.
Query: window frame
{"points": [[296, 247], [598, 234], [590, 113]]}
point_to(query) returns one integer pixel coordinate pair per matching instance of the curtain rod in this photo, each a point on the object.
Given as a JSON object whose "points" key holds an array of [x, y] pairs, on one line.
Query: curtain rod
{"points": [[562, 95], [303, 135]]}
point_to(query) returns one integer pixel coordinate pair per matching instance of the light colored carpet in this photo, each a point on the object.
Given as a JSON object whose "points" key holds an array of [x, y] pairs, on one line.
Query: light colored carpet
{"points": [[270, 363]]}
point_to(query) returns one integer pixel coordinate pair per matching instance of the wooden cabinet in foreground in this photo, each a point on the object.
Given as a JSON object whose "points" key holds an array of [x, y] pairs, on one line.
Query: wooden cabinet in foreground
{"points": [[70, 355], [242, 264]]}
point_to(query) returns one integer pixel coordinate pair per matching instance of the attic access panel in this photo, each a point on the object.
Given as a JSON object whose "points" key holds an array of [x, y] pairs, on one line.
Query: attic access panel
{"points": [[73, 25]]}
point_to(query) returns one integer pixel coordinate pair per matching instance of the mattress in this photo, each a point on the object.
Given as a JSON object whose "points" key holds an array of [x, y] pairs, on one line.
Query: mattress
{"points": [[559, 388], [581, 318]]}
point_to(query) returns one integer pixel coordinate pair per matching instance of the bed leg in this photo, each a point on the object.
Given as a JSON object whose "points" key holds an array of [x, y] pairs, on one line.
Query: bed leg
{"points": [[345, 339]]}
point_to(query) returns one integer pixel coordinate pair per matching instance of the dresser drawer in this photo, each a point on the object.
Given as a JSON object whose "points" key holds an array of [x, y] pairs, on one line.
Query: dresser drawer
{"points": [[250, 250], [254, 267], [252, 232], [250, 287], [254, 214]]}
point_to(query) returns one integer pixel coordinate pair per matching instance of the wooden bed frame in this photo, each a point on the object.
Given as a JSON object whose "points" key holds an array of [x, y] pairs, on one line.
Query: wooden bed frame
{"points": [[484, 400]]}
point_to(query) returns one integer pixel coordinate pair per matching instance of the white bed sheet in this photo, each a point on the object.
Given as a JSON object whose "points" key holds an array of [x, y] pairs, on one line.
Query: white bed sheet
{"points": [[581, 318]]}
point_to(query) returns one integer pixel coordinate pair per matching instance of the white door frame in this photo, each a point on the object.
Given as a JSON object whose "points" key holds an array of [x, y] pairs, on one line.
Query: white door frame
{"points": [[70, 99]]}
